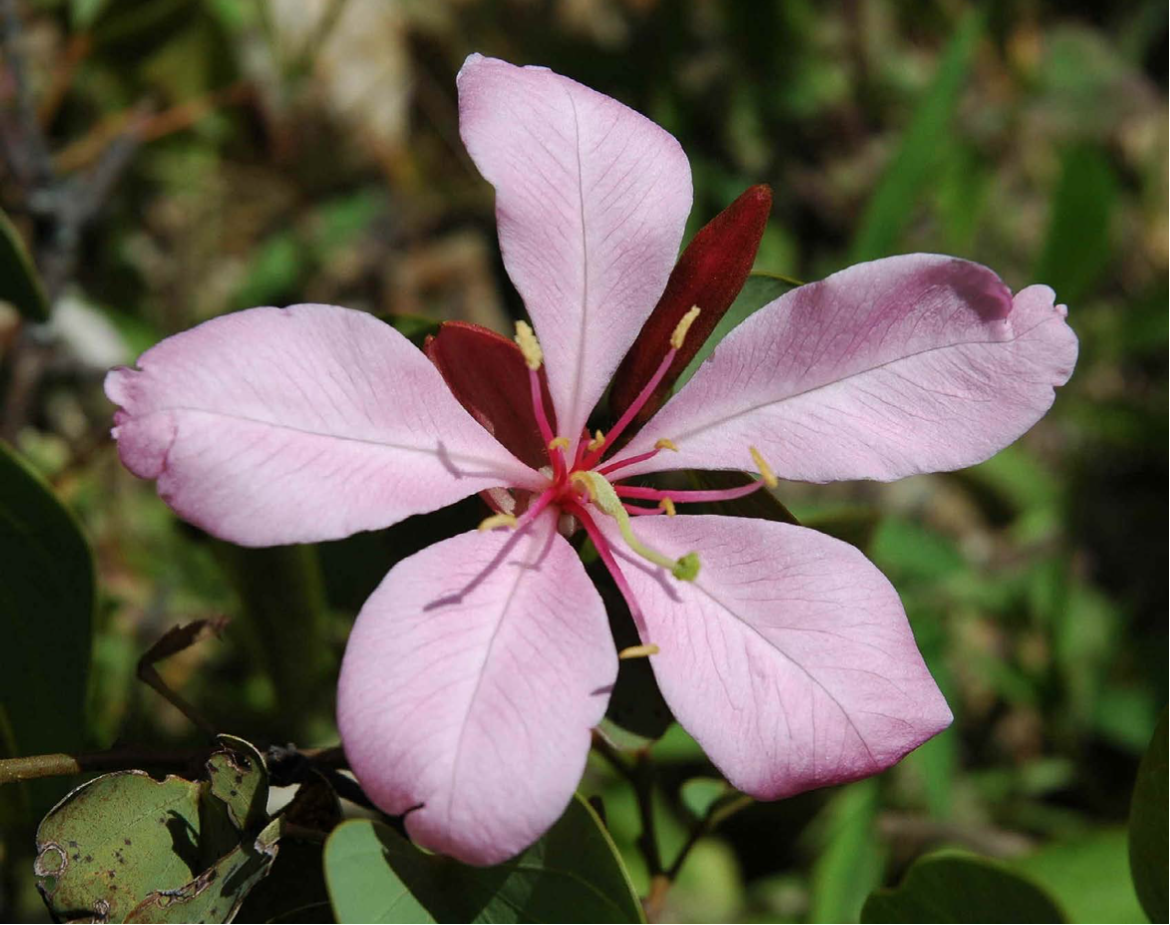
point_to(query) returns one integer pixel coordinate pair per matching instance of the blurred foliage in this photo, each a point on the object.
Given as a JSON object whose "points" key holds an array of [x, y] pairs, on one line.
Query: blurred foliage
{"points": [[308, 150]]}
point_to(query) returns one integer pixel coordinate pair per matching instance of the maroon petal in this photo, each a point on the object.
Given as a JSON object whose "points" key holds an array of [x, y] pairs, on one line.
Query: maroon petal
{"points": [[709, 274], [486, 373]]}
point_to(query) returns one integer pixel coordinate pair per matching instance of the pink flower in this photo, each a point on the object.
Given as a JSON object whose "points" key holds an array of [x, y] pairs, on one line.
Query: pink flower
{"points": [[477, 669]]}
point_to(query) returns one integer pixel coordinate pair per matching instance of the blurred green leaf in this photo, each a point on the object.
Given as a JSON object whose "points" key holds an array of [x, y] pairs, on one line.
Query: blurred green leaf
{"points": [[573, 874], [82, 13], [676, 746], [283, 599], [1124, 716], [19, 282], [1088, 875], [274, 272], [760, 289], [414, 328], [46, 610], [699, 794], [1077, 247], [906, 550], [709, 886], [1147, 828], [850, 857], [914, 167], [853, 524], [956, 887]]}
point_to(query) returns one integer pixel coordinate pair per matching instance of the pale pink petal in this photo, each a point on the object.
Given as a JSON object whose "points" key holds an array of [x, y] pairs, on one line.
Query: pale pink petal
{"points": [[470, 684], [789, 659], [300, 424], [911, 364], [591, 199]]}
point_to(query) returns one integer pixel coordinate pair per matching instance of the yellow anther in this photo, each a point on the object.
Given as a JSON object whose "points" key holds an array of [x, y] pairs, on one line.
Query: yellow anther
{"points": [[684, 325], [497, 520], [529, 345], [562, 442], [638, 651], [763, 468], [665, 444], [667, 505], [597, 442]]}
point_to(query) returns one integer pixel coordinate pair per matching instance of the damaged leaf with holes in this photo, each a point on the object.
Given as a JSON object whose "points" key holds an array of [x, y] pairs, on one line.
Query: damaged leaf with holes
{"points": [[126, 847]]}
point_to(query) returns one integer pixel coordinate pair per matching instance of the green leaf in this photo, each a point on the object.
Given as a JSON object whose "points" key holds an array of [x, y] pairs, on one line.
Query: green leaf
{"points": [[19, 282], [46, 610], [1077, 247], [573, 874], [759, 290], [850, 859], [1088, 875], [957, 887], [115, 840], [915, 167], [239, 778], [1147, 828], [127, 847], [218, 892]]}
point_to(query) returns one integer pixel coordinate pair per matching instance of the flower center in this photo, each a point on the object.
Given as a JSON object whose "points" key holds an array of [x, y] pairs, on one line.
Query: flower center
{"points": [[586, 487]]}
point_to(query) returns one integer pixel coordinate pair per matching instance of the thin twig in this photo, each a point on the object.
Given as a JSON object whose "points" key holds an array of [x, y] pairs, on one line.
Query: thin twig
{"points": [[117, 759], [190, 760], [172, 642], [718, 812]]}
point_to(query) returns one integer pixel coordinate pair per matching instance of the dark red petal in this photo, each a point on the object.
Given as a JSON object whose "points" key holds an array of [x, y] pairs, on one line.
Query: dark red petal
{"points": [[709, 274], [486, 373]]}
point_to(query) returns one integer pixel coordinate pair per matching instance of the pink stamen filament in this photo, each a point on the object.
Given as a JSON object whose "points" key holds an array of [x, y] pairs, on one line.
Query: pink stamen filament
{"points": [[624, 421], [556, 455], [628, 461], [606, 555], [582, 445], [543, 500], [642, 511], [687, 497]]}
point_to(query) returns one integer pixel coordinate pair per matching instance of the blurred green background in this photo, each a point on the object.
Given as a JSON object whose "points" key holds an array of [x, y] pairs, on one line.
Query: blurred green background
{"points": [[210, 155]]}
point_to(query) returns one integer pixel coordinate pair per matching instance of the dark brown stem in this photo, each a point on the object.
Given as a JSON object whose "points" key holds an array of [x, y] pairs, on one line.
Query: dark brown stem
{"points": [[718, 812], [642, 778], [190, 760]]}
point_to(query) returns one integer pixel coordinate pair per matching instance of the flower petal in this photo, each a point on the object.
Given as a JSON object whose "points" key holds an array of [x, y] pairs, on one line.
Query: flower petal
{"points": [[710, 273], [300, 424], [789, 658], [591, 199], [910, 364], [486, 372], [470, 684]]}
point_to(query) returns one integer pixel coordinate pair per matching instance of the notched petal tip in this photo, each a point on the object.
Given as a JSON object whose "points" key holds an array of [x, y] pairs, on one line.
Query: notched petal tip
{"points": [[118, 384], [145, 444]]}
